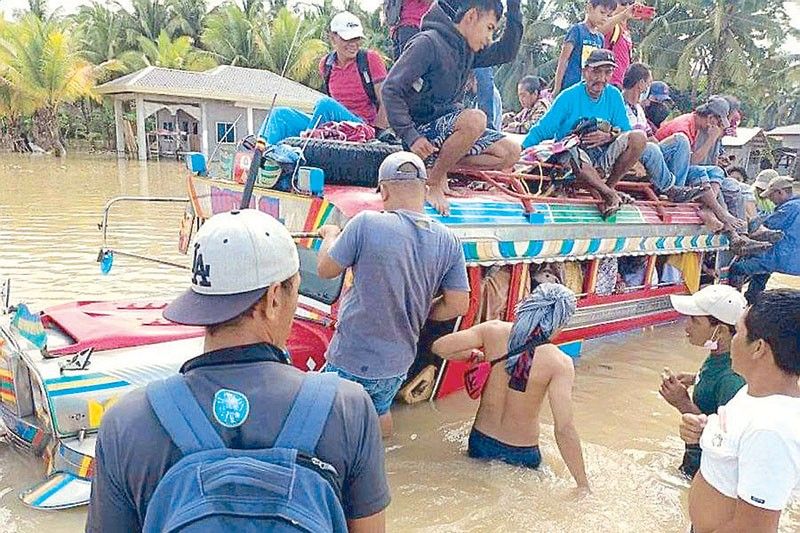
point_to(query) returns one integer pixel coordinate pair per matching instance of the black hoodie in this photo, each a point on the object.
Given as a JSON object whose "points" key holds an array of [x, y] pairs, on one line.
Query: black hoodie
{"points": [[428, 79]]}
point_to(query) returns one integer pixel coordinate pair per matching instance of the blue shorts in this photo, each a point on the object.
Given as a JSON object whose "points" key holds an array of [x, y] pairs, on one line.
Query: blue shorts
{"points": [[485, 447], [382, 391], [440, 129]]}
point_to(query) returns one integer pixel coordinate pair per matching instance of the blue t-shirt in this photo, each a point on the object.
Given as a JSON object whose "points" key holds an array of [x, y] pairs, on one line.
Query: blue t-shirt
{"points": [[400, 261], [584, 41], [785, 255], [571, 106]]}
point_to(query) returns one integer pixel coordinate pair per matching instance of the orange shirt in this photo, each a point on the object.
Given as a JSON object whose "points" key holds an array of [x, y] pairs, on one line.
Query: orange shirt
{"points": [[683, 124]]}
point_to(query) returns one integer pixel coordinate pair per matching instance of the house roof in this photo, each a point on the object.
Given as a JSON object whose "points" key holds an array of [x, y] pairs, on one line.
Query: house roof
{"points": [[226, 83], [780, 131], [743, 137]]}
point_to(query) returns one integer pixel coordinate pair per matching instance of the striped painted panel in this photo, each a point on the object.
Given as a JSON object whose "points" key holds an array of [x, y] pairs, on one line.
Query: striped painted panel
{"points": [[488, 250]]}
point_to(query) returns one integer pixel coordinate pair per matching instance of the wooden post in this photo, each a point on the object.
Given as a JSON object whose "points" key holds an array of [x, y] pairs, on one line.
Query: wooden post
{"points": [[204, 128], [141, 136], [250, 121], [120, 134]]}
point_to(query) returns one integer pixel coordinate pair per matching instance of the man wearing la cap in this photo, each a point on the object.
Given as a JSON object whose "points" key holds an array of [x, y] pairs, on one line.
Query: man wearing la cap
{"points": [[406, 268], [352, 79], [713, 312], [244, 290], [784, 256], [658, 104]]}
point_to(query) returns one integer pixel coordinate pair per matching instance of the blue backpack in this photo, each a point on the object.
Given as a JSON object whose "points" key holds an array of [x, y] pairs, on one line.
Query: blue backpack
{"points": [[214, 488]]}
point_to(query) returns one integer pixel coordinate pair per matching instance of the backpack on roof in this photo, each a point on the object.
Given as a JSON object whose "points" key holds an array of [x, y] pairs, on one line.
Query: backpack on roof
{"points": [[362, 63], [283, 489]]}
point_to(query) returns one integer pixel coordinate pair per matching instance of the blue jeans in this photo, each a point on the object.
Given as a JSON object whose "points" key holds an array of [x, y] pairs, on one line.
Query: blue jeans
{"points": [[677, 154], [381, 391], [486, 95], [751, 268], [655, 163], [482, 446], [286, 122]]}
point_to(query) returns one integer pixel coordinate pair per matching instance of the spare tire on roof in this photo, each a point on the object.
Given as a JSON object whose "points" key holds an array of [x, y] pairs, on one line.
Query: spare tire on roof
{"points": [[345, 163]]}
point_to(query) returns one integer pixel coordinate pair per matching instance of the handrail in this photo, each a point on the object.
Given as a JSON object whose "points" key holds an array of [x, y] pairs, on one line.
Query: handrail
{"points": [[103, 226]]}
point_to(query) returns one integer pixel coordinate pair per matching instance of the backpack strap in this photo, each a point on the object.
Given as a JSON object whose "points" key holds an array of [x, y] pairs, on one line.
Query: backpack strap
{"points": [[181, 416], [327, 68], [362, 61], [310, 410]]}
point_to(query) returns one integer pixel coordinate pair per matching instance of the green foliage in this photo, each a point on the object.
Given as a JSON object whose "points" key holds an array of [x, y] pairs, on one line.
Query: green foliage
{"points": [[49, 63]]}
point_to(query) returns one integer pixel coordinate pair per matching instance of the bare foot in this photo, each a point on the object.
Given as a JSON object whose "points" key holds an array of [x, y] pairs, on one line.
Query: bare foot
{"points": [[437, 200], [732, 222]]}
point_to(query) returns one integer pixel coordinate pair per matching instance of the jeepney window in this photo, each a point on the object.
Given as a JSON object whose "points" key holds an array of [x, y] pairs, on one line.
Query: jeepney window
{"points": [[312, 286], [40, 407]]}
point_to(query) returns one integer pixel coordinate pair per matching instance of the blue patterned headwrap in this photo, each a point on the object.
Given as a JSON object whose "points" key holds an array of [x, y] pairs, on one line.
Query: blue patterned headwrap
{"points": [[548, 308]]}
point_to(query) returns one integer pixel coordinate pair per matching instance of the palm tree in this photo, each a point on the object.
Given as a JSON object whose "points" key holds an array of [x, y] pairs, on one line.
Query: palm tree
{"points": [[175, 53], [148, 19], [291, 47], [233, 37], [538, 50], [187, 18], [44, 67], [101, 32], [720, 40], [286, 44]]}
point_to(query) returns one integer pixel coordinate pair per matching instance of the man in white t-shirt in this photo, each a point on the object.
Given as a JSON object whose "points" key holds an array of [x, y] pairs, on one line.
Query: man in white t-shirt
{"points": [[751, 446]]}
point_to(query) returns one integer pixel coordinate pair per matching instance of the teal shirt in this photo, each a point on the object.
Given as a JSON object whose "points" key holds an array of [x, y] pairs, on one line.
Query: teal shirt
{"points": [[716, 383], [574, 104]]}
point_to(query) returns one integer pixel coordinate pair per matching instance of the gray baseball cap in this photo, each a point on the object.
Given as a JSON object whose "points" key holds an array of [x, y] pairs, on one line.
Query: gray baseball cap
{"points": [[720, 107], [401, 166], [777, 184]]}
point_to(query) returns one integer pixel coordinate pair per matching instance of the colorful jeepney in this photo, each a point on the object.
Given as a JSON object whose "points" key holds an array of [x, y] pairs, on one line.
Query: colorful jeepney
{"points": [[52, 398]]}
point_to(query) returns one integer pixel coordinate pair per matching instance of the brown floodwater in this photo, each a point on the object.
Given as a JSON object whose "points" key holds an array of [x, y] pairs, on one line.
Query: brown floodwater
{"points": [[49, 211]]}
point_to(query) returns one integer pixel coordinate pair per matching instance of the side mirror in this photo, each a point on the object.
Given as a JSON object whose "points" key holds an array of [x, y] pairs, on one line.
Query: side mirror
{"points": [[196, 163]]}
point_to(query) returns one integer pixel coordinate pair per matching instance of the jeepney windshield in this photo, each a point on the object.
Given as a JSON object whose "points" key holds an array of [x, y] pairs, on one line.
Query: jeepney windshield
{"points": [[312, 286]]}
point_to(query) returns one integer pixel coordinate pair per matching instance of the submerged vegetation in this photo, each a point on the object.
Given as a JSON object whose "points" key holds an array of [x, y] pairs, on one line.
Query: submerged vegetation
{"points": [[50, 63]]}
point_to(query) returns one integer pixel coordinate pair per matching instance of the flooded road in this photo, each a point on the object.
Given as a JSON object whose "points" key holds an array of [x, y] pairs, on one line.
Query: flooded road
{"points": [[49, 241]]}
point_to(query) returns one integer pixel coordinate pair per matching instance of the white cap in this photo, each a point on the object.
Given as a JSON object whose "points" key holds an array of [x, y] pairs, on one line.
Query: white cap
{"points": [[237, 256], [347, 26], [723, 302]]}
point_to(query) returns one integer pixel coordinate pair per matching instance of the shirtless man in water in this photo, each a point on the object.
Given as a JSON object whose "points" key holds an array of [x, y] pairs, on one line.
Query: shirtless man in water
{"points": [[507, 424], [751, 447]]}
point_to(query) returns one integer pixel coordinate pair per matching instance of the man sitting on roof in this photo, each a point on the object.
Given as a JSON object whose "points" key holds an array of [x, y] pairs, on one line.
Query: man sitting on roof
{"points": [[613, 153], [784, 256], [425, 87], [352, 77]]}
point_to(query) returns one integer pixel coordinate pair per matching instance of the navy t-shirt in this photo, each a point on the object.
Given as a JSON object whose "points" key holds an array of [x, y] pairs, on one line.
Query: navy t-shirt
{"points": [[133, 451], [584, 41]]}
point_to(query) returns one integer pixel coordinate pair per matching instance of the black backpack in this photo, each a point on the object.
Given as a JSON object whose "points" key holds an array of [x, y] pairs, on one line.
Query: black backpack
{"points": [[363, 70]]}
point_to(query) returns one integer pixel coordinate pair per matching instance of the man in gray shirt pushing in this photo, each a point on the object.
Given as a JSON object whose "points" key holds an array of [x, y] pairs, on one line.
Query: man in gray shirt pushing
{"points": [[406, 268]]}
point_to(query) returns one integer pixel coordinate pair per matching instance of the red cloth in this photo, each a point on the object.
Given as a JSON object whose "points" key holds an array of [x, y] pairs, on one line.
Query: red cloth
{"points": [[345, 84], [412, 12], [683, 124], [620, 43], [342, 131]]}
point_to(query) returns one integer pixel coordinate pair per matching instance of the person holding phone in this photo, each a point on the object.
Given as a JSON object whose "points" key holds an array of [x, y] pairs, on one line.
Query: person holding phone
{"points": [[713, 313]]}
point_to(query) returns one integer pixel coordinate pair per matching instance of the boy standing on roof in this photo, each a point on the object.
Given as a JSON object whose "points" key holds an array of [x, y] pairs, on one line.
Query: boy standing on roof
{"points": [[352, 78], [425, 88], [406, 268], [581, 40]]}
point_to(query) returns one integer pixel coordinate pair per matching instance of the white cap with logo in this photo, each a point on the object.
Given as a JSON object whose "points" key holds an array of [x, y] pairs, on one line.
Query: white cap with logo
{"points": [[723, 302], [237, 256], [347, 26]]}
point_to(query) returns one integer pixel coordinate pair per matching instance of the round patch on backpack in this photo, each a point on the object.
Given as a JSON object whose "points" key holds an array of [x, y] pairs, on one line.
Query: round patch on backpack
{"points": [[231, 408]]}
